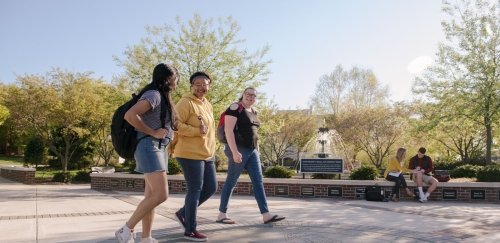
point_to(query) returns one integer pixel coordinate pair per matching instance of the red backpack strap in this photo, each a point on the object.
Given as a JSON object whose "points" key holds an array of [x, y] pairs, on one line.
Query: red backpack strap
{"points": [[240, 107]]}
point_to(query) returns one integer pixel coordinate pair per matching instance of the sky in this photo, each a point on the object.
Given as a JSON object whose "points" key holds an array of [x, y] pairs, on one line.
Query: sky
{"points": [[395, 39]]}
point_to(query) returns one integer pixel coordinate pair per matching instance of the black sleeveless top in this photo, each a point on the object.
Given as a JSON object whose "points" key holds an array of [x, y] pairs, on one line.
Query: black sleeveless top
{"points": [[245, 132]]}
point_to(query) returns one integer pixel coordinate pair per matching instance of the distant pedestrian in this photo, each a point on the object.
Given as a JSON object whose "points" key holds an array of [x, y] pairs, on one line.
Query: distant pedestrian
{"points": [[150, 151], [241, 123], [195, 150]]}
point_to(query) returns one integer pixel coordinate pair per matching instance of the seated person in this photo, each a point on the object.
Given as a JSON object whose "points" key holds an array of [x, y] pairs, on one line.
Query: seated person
{"points": [[422, 166], [394, 172]]}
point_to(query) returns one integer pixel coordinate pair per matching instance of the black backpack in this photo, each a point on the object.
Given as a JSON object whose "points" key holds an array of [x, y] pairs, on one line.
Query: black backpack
{"points": [[124, 135], [375, 193]]}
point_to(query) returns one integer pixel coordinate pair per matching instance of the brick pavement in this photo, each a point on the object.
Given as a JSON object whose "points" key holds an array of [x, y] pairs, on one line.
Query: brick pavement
{"points": [[74, 213]]}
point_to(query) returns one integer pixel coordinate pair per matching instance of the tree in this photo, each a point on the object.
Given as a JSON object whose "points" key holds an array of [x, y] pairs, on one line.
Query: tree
{"points": [[4, 114], [4, 111], [344, 90], [372, 130], [283, 132], [464, 83], [9, 137], [62, 103], [113, 98], [268, 125], [463, 138], [198, 46]]}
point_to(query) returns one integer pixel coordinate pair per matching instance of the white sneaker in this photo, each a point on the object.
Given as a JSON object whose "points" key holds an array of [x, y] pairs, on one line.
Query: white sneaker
{"points": [[125, 235], [149, 240], [422, 198]]}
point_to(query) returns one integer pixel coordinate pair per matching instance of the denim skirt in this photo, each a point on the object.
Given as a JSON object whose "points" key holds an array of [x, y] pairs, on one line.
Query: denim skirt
{"points": [[149, 156]]}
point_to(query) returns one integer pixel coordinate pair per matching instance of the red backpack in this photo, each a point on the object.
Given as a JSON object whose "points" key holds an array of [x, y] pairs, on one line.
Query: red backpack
{"points": [[221, 135]]}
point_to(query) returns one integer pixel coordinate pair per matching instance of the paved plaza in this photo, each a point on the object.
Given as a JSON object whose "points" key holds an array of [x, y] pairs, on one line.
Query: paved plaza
{"points": [[74, 213]]}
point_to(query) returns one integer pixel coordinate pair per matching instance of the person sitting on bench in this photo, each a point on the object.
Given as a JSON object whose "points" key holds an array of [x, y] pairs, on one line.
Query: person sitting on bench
{"points": [[422, 164], [394, 172]]}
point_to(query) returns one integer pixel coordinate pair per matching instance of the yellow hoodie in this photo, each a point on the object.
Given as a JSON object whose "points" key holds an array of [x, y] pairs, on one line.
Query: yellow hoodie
{"points": [[189, 142], [395, 166]]}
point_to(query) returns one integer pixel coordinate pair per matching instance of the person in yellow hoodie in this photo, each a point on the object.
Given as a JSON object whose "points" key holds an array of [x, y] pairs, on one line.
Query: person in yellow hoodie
{"points": [[194, 150], [394, 172]]}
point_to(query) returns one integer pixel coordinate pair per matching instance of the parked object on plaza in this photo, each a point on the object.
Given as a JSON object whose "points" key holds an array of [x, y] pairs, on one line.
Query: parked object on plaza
{"points": [[442, 175], [375, 193]]}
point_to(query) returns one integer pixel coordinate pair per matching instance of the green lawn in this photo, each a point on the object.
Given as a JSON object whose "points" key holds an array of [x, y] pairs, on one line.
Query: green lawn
{"points": [[40, 173], [49, 173], [6, 161]]}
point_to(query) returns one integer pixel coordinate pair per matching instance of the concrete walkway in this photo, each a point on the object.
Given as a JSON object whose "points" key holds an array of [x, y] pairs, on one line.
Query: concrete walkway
{"points": [[74, 213]]}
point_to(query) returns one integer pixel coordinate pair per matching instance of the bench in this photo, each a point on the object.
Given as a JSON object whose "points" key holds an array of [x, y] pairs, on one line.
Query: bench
{"points": [[298, 188]]}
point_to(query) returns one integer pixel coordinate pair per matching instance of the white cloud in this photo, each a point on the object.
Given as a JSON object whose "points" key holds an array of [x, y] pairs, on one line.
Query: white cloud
{"points": [[418, 64]]}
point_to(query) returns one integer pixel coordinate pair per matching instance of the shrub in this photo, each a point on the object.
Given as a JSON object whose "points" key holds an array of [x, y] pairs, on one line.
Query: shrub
{"points": [[323, 176], [365, 172], [476, 161], [465, 171], [118, 167], [129, 165], [59, 177], [173, 167], [450, 164], [278, 172], [81, 176], [55, 163], [446, 165], [35, 152], [490, 173]]}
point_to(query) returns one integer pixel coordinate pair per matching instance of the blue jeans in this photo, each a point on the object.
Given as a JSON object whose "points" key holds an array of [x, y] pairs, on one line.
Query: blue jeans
{"points": [[251, 163], [400, 182], [201, 184]]}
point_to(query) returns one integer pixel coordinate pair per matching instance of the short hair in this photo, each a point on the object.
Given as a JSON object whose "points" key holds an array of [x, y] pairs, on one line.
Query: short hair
{"points": [[422, 150], [199, 74]]}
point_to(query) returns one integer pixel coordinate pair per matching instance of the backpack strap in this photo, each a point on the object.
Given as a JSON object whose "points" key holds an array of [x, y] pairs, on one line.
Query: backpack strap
{"points": [[240, 107], [136, 99]]}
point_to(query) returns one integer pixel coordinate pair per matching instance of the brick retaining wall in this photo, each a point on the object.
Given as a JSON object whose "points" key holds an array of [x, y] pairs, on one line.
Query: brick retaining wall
{"points": [[345, 189], [19, 174]]}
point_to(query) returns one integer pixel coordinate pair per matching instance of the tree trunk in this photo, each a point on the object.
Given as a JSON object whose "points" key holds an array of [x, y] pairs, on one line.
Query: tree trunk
{"points": [[488, 142]]}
